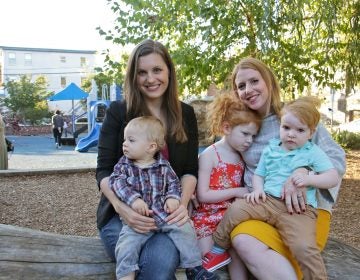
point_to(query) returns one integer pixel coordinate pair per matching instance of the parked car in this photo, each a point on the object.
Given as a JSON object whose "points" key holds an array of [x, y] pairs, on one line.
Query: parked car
{"points": [[353, 126]]}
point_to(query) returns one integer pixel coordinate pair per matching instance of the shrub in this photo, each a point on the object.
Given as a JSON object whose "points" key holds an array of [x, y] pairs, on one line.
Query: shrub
{"points": [[347, 140]]}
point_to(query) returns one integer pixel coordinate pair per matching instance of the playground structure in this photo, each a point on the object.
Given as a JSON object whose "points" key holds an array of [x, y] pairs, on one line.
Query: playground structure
{"points": [[96, 113]]}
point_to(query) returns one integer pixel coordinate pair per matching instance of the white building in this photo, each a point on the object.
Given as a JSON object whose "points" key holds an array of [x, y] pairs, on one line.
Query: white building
{"points": [[60, 67]]}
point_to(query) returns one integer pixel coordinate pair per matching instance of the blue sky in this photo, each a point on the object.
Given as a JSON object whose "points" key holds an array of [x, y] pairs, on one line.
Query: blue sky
{"points": [[66, 24]]}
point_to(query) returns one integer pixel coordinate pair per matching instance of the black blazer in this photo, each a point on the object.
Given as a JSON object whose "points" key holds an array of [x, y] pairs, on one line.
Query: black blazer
{"points": [[183, 157]]}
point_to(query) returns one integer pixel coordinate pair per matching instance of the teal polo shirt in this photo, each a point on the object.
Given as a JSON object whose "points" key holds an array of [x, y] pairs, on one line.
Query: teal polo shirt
{"points": [[276, 165]]}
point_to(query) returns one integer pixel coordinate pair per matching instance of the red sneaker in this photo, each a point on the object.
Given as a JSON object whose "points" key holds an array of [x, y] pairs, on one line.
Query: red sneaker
{"points": [[212, 261]]}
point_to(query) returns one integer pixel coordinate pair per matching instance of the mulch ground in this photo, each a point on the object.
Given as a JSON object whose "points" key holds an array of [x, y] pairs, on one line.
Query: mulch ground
{"points": [[66, 203]]}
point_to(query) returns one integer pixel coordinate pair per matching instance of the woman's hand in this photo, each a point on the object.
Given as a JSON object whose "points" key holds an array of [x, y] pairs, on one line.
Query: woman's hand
{"points": [[194, 201], [295, 198], [137, 222], [180, 216]]}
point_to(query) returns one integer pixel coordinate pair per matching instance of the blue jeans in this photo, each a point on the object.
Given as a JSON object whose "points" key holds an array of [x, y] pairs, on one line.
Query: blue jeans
{"points": [[159, 257], [130, 244]]}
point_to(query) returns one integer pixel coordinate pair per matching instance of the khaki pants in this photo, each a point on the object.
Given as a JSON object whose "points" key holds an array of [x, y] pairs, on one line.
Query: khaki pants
{"points": [[298, 231]]}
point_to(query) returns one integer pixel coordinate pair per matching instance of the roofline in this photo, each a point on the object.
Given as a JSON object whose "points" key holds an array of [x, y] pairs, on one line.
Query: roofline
{"points": [[46, 50]]}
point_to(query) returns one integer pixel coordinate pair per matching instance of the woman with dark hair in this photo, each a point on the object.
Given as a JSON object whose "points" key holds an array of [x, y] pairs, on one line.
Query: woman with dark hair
{"points": [[150, 89]]}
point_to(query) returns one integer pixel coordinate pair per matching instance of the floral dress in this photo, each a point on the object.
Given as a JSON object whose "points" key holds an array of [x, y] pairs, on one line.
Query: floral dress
{"points": [[208, 215]]}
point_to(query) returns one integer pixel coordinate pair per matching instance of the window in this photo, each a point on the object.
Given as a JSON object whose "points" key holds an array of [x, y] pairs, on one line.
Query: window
{"points": [[12, 58], [83, 61], [63, 59], [13, 78], [28, 59], [63, 82]]}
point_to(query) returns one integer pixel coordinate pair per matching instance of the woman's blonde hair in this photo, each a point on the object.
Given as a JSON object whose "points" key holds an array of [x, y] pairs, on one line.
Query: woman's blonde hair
{"points": [[268, 76], [305, 109], [227, 108], [152, 128], [135, 102]]}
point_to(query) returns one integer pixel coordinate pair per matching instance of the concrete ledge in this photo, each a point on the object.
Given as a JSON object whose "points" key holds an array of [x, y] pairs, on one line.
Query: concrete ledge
{"points": [[17, 172]]}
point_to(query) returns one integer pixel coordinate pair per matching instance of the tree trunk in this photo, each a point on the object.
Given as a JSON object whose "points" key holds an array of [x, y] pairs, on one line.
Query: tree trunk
{"points": [[35, 255]]}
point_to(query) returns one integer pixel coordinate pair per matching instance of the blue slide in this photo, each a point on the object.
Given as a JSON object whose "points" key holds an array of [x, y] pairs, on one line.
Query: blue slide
{"points": [[89, 141]]}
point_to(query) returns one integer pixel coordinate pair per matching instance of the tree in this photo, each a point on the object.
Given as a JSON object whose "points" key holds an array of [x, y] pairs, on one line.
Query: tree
{"points": [[101, 78], [27, 99], [303, 41]]}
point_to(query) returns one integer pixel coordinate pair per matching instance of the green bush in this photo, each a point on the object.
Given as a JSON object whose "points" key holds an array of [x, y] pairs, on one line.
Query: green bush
{"points": [[347, 140]]}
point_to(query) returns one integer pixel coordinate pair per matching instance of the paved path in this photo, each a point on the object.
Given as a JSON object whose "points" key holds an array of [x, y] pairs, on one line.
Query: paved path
{"points": [[39, 152]]}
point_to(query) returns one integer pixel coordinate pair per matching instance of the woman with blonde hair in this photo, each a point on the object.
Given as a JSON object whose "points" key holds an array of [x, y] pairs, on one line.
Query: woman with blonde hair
{"points": [[258, 244]]}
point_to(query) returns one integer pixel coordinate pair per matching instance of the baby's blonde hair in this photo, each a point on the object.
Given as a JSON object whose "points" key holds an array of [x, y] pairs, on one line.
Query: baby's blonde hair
{"points": [[305, 109], [152, 128], [227, 108]]}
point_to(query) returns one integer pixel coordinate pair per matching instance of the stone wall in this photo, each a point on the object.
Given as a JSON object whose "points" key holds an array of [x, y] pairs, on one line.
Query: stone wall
{"points": [[28, 130], [199, 106]]}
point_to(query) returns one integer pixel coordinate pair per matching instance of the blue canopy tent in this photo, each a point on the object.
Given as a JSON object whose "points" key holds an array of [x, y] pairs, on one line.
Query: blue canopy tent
{"points": [[71, 92]]}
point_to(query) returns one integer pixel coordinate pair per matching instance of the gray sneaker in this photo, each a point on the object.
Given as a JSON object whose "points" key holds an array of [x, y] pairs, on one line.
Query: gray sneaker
{"points": [[200, 273]]}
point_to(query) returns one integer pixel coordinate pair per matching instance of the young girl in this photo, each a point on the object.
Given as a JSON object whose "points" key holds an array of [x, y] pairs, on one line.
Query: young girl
{"points": [[220, 165]]}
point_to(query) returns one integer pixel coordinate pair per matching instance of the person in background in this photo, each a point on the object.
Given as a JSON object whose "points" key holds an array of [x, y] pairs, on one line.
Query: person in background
{"points": [[150, 89], [145, 181], [257, 243], [3, 146], [221, 167], [278, 161], [58, 126]]}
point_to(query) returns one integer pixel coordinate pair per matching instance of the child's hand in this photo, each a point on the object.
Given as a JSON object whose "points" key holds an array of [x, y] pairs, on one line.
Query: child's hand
{"points": [[300, 180], [140, 207], [194, 201], [254, 196], [171, 204]]}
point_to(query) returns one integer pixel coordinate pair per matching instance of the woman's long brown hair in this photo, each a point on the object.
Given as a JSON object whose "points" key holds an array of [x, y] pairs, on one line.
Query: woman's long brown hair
{"points": [[171, 106]]}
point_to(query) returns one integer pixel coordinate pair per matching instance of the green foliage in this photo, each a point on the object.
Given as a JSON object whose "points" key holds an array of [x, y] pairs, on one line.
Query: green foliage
{"points": [[303, 41], [113, 72], [27, 99], [347, 140], [100, 79]]}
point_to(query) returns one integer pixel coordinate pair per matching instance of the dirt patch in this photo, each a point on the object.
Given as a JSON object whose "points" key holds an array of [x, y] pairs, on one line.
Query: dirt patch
{"points": [[66, 203]]}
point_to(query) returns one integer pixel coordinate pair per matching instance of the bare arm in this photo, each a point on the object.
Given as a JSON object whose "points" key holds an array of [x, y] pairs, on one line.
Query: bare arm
{"points": [[204, 193]]}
